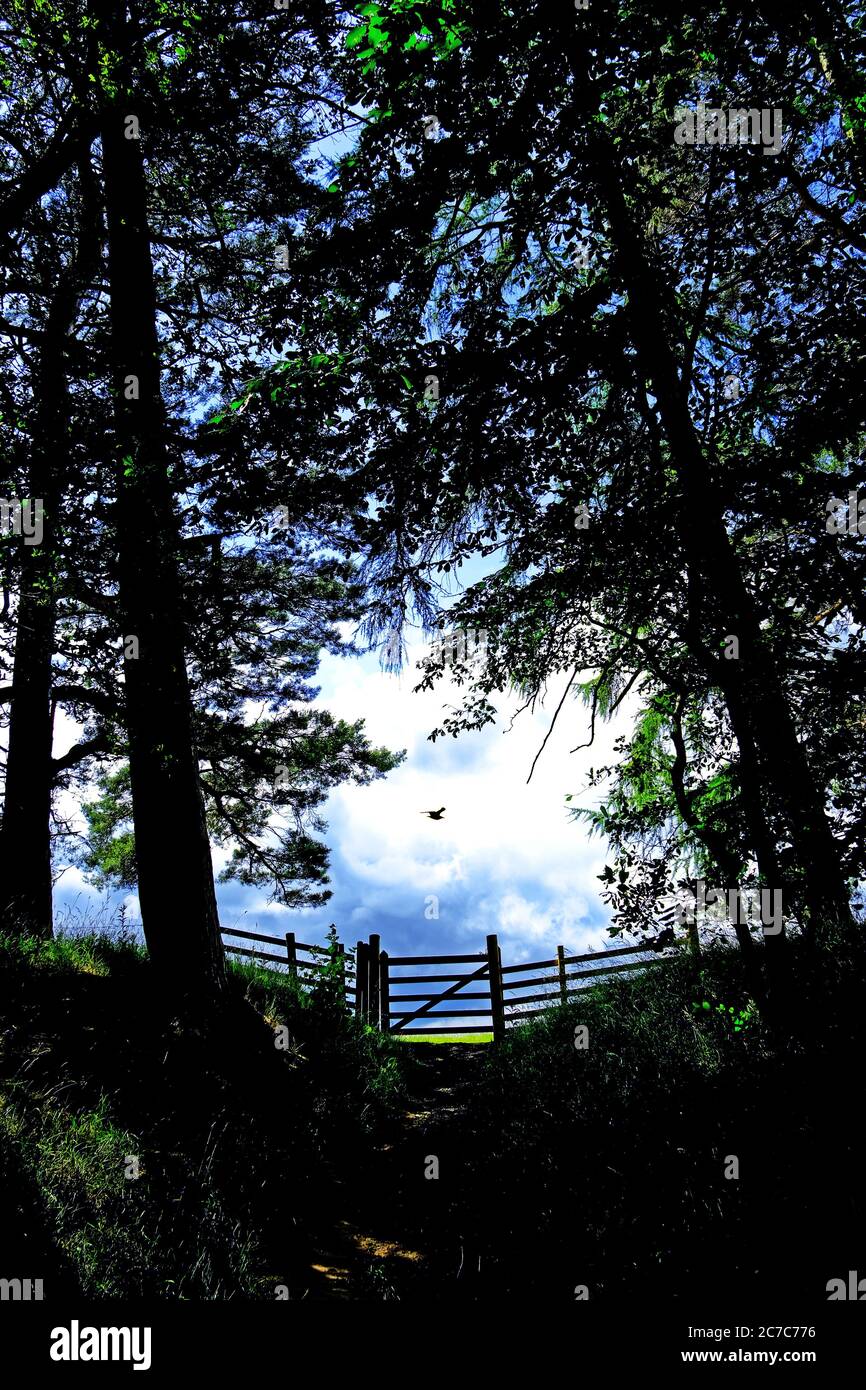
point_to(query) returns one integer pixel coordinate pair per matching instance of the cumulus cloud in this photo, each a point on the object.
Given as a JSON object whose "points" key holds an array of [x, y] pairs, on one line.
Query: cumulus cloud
{"points": [[505, 858]]}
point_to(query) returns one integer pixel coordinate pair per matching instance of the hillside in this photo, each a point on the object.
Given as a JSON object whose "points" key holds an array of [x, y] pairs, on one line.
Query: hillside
{"points": [[305, 1171]]}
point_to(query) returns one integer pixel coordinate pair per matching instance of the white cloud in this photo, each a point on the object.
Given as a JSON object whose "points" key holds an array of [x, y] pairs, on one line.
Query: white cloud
{"points": [[505, 855], [506, 858]]}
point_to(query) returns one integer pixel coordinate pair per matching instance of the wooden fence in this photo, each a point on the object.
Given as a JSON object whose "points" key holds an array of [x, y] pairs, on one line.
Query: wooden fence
{"points": [[294, 956], [375, 984]]}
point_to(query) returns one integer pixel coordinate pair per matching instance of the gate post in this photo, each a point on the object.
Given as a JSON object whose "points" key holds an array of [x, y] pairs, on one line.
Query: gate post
{"points": [[292, 955], [384, 992], [497, 1001], [563, 987], [373, 959], [361, 979]]}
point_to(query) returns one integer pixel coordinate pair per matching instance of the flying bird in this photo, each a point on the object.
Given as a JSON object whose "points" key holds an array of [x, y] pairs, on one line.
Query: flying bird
{"points": [[434, 815]]}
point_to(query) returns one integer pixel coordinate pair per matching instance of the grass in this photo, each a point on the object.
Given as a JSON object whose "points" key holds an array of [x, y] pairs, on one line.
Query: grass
{"points": [[602, 1164], [444, 1037], [606, 1165], [238, 1144]]}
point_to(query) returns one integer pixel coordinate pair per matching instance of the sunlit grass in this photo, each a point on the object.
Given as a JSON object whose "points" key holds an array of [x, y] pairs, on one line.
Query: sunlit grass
{"points": [[444, 1037]]}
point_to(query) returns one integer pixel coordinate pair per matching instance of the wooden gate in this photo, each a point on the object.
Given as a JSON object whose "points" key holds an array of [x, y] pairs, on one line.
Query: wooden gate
{"points": [[488, 971], [503, 1001]]}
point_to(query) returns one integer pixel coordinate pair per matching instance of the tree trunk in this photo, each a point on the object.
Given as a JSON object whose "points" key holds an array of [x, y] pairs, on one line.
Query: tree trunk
{"points": [[175, 874], [25, 842], [751, 685], [25, 837]]}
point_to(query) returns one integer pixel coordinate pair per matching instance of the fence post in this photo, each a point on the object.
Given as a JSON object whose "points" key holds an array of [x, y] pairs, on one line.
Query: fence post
{"points": [[373, 1007], [384, 992], [361, 979], [497, 1003], [563, 986], [292, 955], [341, 952]]}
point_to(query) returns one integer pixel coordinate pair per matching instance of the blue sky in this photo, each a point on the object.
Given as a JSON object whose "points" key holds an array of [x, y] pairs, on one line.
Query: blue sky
{"points": [[505, 858]]}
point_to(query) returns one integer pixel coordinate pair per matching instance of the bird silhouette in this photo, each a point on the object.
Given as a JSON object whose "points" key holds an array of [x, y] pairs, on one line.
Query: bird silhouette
{"points": [[434, 815]]}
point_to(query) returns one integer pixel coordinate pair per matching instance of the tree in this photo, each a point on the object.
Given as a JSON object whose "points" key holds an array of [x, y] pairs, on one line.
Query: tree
{"points": [[187, 247], [49, 424], [257, 643], [458, 262]]}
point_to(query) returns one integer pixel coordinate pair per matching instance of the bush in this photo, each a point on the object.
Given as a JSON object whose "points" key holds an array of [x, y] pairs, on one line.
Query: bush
{"points": [[238, 1143]]}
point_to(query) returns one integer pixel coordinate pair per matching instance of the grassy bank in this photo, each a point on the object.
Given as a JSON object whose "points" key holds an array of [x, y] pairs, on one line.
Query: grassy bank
{"points": [[656, 1139], [237, 1142], [678, 1148]]}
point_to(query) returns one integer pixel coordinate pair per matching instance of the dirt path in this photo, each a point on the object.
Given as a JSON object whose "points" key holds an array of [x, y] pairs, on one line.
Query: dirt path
{"points": [[404, 1228]]}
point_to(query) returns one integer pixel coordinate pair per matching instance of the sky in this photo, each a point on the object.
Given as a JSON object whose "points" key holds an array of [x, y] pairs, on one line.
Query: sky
{"points": [[505, 858]]}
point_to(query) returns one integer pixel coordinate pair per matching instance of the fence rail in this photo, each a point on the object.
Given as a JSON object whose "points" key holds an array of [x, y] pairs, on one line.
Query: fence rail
{"points": [[375, 987], [292, 957]]}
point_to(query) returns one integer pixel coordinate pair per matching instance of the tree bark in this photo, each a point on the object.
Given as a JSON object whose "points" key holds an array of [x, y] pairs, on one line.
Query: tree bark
{"points": [[25, 844], [25, 837], [175, 874]]}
